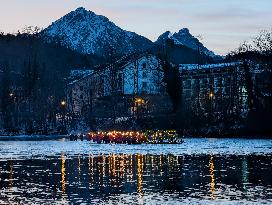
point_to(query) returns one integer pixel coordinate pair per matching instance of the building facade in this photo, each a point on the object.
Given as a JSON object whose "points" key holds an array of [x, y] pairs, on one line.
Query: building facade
{"points": [[130, 77], [213, 88], [139, 74], [134, 84], [82, 92]]}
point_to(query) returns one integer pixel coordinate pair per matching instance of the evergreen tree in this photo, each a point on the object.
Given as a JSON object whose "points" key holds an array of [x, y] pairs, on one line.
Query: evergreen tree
{"points": [[6, 97]]}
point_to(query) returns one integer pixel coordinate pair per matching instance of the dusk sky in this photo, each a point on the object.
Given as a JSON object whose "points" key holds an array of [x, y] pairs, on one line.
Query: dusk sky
{"points": [[224, 24]]}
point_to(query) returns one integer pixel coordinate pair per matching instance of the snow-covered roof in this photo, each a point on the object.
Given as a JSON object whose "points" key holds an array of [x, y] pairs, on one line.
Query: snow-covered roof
{"points": [[130, 58], [124, 60], [266, 94], [206, 66], [79, 73]]}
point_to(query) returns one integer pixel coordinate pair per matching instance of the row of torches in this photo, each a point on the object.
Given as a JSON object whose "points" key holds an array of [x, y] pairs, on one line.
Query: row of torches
{"points": [[131, 137]]}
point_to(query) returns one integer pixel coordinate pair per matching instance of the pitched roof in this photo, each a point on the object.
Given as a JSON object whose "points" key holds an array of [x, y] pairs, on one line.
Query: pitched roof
{"points": [[189, 67]]}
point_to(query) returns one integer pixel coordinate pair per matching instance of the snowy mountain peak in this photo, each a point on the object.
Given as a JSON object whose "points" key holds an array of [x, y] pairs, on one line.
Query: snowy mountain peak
{"points": [[81, 10], [184, 31], [87, 32], [162, 38], [84, 13], [184, 37], [169, 34]]}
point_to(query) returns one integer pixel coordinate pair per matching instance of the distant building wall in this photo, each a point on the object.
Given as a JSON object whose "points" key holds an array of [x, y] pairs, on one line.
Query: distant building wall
{"points": [[214, 88], [217, 88], [143, 76], [81, 93]]}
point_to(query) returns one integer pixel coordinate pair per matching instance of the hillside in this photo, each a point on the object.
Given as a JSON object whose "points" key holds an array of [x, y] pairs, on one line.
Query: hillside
{"points": [[53, 61], [89, 33]]}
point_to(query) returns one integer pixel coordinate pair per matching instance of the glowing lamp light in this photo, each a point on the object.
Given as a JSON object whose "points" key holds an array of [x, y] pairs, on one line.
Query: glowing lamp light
{"points": [[139, 101], [63, 103], [211, 95]]}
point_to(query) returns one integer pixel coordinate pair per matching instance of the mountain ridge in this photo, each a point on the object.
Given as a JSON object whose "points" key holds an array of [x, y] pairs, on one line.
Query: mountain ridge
{"points": [[89, 33], [184, 37]]}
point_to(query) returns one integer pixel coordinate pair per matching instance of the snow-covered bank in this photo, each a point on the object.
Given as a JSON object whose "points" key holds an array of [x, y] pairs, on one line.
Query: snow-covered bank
{"points": [[31, 137], [54, 148]]}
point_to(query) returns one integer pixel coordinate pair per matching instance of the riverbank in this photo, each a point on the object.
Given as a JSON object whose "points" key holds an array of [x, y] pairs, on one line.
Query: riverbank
{"points": [[58, 137], [32, 137], [230, 135]]}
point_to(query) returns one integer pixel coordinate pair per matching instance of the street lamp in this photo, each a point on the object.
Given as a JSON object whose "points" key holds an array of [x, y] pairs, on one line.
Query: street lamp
{"points": [[139, 101], [138, 104], [211, 95], [63, 103], [63, 111]]}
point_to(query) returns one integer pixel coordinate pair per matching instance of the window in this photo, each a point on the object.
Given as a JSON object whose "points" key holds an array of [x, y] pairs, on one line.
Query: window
{"points": [[144, 65], [187, 84], [218, 82], [227, 80], [144, 85], [144, 74], [204, 82], [120, 76]]}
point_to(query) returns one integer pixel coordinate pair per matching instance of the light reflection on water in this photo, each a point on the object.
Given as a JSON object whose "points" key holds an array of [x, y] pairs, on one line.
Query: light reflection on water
{"points": [[212, 177], [136, 179]]}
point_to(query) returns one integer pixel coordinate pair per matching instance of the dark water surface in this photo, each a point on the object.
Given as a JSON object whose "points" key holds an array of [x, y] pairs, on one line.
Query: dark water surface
{"points": [[140, 177]]}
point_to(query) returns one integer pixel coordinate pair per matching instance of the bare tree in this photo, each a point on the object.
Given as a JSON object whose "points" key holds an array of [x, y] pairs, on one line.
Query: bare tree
{"points": [[256, 58]]}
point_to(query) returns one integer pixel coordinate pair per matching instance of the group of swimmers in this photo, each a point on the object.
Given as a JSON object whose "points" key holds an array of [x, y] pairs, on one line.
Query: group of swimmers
{"points": [[131, 137], [117, 137], [75, 137], [152, 137]]}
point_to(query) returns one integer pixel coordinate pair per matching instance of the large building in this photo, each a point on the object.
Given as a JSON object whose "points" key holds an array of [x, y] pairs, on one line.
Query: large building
{"points": [[84, 88], [136, 74], [134, 84], [131, 77], [213, 88]]}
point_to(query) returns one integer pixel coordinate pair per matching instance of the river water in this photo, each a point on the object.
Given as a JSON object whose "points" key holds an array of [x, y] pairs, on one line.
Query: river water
{"points": [[200, 171]]}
